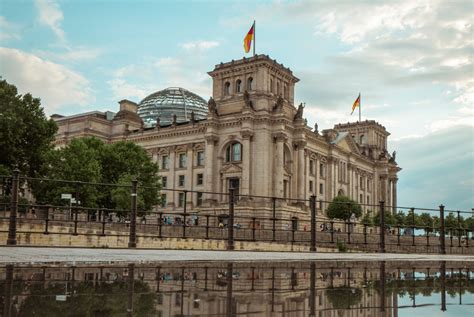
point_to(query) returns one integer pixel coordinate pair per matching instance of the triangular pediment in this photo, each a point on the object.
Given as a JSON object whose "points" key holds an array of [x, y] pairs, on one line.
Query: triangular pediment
{"points": [[231, 168], [344, 141]]}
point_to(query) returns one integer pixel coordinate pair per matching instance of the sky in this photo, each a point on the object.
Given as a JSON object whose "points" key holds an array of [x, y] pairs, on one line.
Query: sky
{"points": [[412, 62]]}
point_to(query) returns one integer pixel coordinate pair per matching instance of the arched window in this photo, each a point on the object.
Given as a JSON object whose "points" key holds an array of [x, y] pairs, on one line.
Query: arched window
{"points": [[238, 86], [227, 88], [361, 139], [250, 83], [233, 152]]}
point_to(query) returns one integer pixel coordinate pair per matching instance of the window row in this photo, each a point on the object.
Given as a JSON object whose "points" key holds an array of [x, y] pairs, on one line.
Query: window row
{"points": [[182, 160], [312, 170], [182, 180], [181, 197], [281, 88], [238, 88]]}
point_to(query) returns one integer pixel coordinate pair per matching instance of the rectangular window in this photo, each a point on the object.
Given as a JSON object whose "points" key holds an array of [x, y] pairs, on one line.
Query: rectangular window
{"points": [[368, 200], [361, 182], [200, 179], [181, 200], [177, 299], [310, 186], [159, 299], [163, 200], [234, 183], [361, 199], [200, 158], [182, 160], [198, 199], [321, 169], [368, 184], [164, 181], [311, 167], [285, 188], [181, 180], [165, 162], [321, 189]]}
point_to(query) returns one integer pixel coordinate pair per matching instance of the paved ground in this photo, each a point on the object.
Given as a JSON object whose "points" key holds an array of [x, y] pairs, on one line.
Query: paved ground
{"points": [[79, 255]]}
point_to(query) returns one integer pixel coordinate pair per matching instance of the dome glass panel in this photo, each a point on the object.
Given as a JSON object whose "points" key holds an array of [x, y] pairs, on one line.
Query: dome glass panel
{"points": [[171, 101]]}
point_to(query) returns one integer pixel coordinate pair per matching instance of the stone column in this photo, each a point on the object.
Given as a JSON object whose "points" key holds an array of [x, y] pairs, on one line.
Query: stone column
{"points": [[329, 179], [171, 177], [210, 182], [246, 164], [394, 195], [280, 139], [300, 174], [189, 173]]}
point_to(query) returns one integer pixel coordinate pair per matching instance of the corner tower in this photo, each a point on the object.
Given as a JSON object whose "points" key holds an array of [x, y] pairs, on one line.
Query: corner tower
{"points": [[264, 79]]}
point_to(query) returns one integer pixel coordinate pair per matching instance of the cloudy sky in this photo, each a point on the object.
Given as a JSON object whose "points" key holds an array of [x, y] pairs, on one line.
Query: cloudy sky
{"points": [[412, 61]]}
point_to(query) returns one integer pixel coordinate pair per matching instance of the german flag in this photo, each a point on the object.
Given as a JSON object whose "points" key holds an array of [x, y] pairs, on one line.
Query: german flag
{"points": [[249, 38], [356, 104]]}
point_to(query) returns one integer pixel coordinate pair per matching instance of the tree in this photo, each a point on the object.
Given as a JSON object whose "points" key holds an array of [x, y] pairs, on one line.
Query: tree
{"points": [[426, 222], [26, 135], [90, 160], [342, 207]]}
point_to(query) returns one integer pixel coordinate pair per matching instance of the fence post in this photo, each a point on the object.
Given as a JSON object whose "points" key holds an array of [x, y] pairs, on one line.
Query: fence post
{"points": [[459, 229], [312, 204], [46, 221], [104, 220], [160, 224], [132, 239], [184, 213], [230, 225], [274, 219], [442, 231], [207, 227], [13, 209], [382, 227]]}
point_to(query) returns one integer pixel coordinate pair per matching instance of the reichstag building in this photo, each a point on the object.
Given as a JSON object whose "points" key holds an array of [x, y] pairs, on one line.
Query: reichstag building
{"points": [[250, 136]]}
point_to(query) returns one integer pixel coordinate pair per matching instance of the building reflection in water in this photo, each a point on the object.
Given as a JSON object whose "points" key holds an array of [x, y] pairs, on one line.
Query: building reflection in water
{"points": [[291, 289]]}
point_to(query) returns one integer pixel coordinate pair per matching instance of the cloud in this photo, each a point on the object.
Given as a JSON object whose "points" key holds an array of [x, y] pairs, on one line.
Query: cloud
{"points": [[437, 168], [8, 30], [55, 84], [199, 45], [51, 15], [136, 81], [71, 54]]}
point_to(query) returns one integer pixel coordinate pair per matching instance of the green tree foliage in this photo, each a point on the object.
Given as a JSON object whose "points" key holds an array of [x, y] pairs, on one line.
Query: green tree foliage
{"points": [[26, 135], [426, 222], [344, 297], [89, 299], [342, 207], [91, 160]]}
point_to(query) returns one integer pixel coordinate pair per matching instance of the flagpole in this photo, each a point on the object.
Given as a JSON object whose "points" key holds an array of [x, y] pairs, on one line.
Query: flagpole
{"points": [[254, 37]]}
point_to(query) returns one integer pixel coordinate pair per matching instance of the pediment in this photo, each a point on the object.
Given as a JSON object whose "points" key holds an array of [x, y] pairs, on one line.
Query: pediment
{"points": [[231, 168], [347, 143]]}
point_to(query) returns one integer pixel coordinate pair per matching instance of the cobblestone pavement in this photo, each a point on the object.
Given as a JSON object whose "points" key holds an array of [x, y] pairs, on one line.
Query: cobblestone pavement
{"points": [[83, 255]]}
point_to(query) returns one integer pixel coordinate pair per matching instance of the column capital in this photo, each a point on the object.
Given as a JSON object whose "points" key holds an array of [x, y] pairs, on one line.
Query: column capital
{"points": [[246, 134], [300, 144], [280, 136], [211, 139]]}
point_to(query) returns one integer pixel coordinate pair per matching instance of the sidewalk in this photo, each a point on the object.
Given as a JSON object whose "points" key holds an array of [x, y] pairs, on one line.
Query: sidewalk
{"points": [[83, 255]]}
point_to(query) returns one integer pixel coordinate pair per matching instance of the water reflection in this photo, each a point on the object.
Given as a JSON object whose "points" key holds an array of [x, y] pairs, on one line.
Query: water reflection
{"points": [[236, 289]]}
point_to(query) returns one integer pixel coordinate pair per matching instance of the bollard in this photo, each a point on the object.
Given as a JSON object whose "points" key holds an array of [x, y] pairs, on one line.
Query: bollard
{"points": [[13, 209], [442, 231], [230, 224], [312, 204], [382, 227], [132, 239]]}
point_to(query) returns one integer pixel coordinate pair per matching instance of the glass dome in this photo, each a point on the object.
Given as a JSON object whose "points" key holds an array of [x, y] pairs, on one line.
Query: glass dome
{"points": [[174, 100]]}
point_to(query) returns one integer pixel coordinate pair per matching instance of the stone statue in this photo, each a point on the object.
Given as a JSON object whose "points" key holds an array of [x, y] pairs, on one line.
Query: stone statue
{"points": [[278, 105], [193, 117], [248, 102], [316, 128], [299, 112], [394, 155], [212, 107]]}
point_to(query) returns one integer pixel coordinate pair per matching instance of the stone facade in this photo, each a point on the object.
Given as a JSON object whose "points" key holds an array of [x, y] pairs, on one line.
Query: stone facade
{"points": [[254, 139]]}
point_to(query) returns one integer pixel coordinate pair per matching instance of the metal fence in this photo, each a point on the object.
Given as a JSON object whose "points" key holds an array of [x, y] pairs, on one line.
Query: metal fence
{"points": [[299, 222]]}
